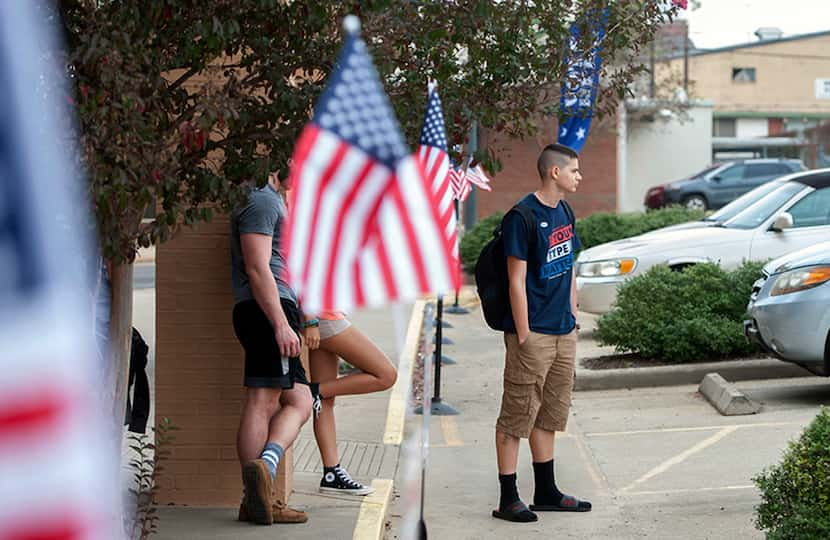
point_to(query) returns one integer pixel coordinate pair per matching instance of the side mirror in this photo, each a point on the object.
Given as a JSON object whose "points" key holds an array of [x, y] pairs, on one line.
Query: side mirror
{"points": [[782, 222], [716, 179]]}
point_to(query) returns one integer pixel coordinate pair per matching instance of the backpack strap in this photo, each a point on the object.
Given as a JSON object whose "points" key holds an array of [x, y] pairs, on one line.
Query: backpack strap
{"points": [[568, 211], [530, 223]]}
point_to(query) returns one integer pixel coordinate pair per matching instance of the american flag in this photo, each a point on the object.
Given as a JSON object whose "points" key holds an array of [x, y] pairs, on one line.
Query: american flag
{"points": [[460, 185], [58, 477], [364, 227], [476, 176], [435, 161]]}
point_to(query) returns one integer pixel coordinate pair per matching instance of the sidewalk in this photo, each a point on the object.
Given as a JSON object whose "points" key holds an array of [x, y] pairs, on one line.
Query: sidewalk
{"points": [[655, 462], [361, 423]]}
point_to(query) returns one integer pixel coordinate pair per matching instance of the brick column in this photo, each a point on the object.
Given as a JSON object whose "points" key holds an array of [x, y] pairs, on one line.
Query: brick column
{"points": [[199, 369]]}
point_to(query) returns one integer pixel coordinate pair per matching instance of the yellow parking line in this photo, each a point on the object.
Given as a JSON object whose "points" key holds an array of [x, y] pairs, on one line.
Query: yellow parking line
{"points": [[449, 428], [370, 521], [396, 410]]}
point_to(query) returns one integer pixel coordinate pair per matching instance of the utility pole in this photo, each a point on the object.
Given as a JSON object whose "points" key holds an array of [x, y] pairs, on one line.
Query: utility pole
{"points": [[686, 60], [651, 70]]}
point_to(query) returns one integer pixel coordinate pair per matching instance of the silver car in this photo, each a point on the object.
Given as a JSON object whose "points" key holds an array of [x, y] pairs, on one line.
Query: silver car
{"points": [[793, 215], [790, 309]]}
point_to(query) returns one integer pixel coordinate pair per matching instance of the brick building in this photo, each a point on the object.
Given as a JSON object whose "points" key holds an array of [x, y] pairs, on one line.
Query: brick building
{"points": [[598, 162]]}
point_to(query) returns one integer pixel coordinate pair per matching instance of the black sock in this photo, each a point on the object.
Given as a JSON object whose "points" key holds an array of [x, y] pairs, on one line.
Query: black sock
{"points": [[315, 389], [546, 492], [509, 493]]}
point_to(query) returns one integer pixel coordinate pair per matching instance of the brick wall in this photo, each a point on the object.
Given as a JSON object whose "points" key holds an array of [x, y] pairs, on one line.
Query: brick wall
{"points": [[598, 162], [199, 368]]}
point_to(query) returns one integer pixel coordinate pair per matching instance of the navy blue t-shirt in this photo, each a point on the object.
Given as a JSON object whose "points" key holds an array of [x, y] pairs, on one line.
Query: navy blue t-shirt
{"points": [[549, 265]]}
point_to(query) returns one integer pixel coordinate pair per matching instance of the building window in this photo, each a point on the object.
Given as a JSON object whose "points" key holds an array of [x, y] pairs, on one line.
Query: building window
{"points": [[724, 127], [743, 75]]}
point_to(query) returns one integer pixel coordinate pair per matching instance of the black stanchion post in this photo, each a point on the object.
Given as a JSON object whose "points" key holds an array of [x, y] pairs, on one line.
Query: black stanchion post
{"points": [[455, 309], [439, 408]]}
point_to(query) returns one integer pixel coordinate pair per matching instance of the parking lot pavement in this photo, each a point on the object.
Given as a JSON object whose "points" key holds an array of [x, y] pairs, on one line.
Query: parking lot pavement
{"points": [[674, 468]]}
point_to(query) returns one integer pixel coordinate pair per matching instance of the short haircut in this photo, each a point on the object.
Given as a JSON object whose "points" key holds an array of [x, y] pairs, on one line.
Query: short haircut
{"points": [[557, 155]]}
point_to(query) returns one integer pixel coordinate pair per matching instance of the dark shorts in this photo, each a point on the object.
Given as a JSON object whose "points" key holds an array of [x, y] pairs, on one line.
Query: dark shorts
{"points": [[263, 365]]}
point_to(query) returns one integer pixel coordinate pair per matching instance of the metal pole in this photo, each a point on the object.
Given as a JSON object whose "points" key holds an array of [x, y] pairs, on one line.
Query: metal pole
{"points": [[686, 61], [436, 396], [437, 407], [651, 71]]}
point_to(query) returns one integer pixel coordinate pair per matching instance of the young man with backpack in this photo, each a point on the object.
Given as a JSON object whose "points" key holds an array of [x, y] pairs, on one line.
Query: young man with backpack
{"points": [[538, 240]]}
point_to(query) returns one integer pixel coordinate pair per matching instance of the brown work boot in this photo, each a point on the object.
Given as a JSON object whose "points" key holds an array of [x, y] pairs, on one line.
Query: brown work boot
{"points": [[257, 498], [282, 513], [285, 514]]}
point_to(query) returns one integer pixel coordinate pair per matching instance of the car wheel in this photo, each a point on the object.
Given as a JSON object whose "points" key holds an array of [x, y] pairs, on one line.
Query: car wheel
{"points": [[696, 202]]}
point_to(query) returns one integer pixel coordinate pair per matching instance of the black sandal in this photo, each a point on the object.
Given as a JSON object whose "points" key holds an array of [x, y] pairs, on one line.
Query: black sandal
{"points": [[516, 512], [568, 503]]}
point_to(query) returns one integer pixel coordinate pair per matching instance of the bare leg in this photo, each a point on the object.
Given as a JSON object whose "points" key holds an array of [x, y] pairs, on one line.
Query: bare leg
{"points": [[295, 409], [507, 452], [324, 366], [358, 350], [541, 445], [261, 404]]}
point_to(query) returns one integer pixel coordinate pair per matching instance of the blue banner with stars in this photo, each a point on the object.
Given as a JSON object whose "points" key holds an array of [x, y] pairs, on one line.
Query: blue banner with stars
{"points": [[579, 88]]}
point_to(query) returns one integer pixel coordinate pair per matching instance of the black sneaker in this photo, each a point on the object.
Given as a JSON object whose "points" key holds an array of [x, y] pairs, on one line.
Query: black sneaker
{"points": [[337, 480]]}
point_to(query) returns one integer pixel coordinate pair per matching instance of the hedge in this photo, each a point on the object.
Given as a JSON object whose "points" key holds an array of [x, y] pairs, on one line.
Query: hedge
{"points": [[681, 316], [593, 230], [795, 493], [605, 227]]}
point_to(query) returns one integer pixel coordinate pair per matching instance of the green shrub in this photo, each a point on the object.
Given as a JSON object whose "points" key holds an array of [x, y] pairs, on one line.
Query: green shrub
{"points": [[593, 230], [472, 242], [795, 493], [603, 227], [681, 316]]}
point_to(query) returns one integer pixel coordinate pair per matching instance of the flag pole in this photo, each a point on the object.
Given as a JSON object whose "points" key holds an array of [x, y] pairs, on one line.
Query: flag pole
{"points": [[456, 309]]}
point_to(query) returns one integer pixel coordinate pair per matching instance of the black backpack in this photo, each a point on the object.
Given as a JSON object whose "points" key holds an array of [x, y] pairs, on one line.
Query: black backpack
{"points": [[491, 268]]}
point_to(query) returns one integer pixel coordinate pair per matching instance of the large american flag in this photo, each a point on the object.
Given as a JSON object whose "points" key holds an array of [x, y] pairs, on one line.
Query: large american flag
{"points": [[58, 476], [363, 226], [435, 161]]}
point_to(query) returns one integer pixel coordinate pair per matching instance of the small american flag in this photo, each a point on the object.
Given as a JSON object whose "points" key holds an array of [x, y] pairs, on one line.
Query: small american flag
{"points": [[476, 176], [460, 185], [364, 226], [435, 161]]}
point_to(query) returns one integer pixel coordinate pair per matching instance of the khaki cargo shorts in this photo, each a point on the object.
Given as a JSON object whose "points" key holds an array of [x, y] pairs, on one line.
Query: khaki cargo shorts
{"points": [[538, 380]]}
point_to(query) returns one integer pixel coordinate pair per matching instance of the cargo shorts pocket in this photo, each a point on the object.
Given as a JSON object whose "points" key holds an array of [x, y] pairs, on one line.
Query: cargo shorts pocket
{"points": [[519, 406]]}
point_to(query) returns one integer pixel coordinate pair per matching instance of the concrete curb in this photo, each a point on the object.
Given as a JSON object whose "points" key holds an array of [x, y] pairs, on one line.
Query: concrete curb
{"points": [[372, 517], [738, 370], [728, 400]]}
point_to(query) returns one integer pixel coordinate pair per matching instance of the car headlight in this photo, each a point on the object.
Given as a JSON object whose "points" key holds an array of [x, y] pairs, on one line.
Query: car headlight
{"points": [[800, 279], [613, 267]]}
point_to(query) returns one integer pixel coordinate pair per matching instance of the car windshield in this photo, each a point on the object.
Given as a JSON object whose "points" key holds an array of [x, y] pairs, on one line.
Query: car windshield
{"points": [[763, 209], [706, 171], [744, 201]]}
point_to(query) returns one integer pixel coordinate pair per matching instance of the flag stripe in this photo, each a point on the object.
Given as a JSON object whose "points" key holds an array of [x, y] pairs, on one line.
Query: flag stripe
{"points": [[420, 204], [411, 238], [30, 414], [310, 152], [338, 248], [319, 225]]}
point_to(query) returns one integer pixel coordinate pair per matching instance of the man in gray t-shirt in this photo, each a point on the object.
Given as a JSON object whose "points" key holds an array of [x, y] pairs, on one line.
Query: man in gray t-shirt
{"points": [[264, 214], [267, 322]]}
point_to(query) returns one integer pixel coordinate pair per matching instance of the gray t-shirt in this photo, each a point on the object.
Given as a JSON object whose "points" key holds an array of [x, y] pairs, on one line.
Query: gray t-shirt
{"points": [[264, 214]]}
